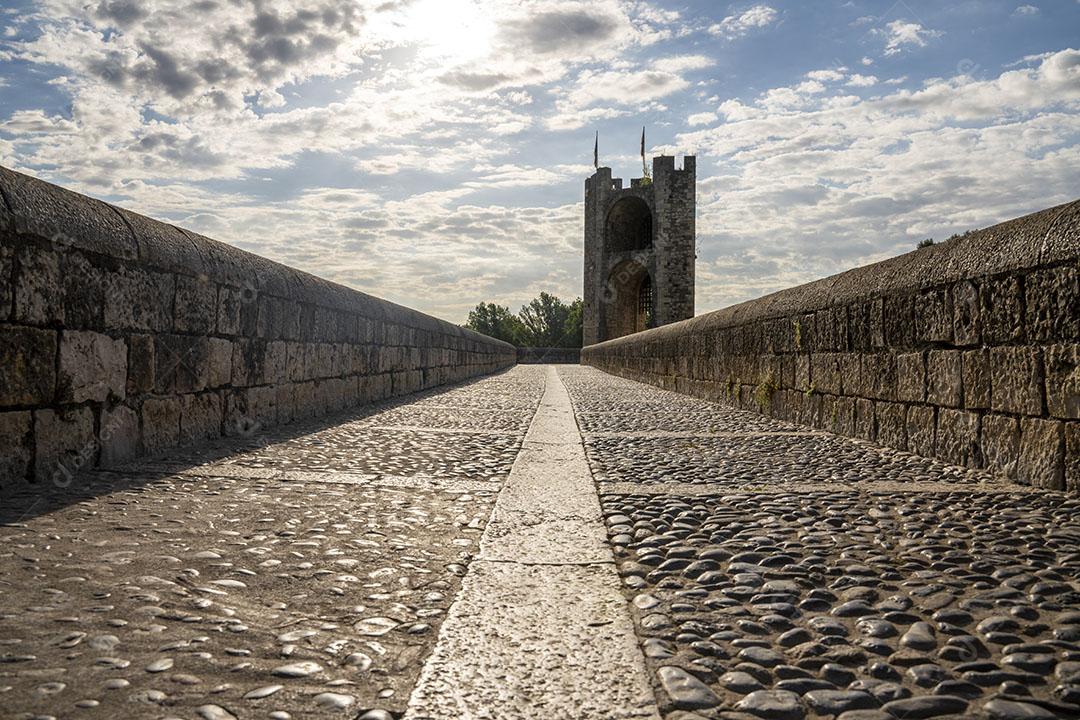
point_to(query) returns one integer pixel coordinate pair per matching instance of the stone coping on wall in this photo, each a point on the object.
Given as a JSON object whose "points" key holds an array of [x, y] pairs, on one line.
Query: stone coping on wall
{"points": [[122, 336], [965, 350]]}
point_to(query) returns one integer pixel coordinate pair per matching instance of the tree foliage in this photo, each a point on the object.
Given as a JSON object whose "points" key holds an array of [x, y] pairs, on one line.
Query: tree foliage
{"points": [[496, 321], [546, 321]]}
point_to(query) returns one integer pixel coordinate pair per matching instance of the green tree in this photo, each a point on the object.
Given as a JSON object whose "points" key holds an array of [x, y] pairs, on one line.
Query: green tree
{"points": [[546, 321], [573, 331], [496, 321], [550, 322]]}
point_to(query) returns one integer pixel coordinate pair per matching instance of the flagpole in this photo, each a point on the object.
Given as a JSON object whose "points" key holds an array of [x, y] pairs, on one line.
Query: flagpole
{"points": [[644, 167]]}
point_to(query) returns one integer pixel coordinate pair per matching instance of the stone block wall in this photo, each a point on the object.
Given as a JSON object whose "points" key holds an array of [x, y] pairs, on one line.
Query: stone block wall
{"points": [[121, 336], [967, 351]]}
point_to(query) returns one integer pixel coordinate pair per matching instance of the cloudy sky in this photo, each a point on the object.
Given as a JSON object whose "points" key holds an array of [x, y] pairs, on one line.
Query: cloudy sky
{"points": [[433, 152]]}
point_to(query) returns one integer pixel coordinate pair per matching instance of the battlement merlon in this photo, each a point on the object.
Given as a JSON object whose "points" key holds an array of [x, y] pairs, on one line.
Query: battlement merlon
{"points": [[666, 164]]}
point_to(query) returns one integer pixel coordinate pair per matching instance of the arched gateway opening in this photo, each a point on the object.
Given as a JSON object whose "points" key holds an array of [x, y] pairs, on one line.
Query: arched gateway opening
{"points": [[629, 226], [629, 299]]}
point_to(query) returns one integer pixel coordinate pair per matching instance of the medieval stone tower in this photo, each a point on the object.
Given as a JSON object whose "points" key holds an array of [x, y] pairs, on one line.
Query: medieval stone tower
{"points": [[639, 250]]}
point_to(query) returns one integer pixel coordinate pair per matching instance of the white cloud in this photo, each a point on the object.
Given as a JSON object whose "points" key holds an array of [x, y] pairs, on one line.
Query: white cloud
{"points": [[834, 181], [702, 118], [631, 87], [735, 26], [682, 63], [35, 122], [833, 75], [858, 80], [901, 35], [270, 98], [1025, 11]]}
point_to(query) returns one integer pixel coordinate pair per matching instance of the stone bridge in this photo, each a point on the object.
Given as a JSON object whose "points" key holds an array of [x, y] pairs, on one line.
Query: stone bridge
{"points": [[232, 490]]}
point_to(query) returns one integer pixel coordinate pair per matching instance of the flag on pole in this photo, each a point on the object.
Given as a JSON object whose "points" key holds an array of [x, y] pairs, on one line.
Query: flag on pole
{"points": [[596, 151], [644, 167]]}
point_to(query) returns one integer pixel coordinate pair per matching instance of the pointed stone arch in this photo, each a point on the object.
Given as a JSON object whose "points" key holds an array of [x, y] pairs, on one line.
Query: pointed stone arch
{"points": [[629, 299]]}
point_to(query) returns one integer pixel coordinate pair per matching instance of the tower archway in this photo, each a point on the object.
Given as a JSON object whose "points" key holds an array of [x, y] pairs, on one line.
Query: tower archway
{"points": [[629, 299], [629, 226]]}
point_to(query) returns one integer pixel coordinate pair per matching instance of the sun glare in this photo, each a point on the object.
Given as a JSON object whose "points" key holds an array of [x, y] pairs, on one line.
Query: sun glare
{"points": [[451, 30]]}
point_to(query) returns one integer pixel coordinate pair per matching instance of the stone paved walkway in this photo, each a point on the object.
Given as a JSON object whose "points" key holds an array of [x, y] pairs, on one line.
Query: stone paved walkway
{"points": [[768, 571]]}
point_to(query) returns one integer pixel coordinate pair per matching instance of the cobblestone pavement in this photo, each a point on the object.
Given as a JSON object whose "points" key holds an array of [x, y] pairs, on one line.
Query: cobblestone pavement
{"points": [[771, 571], [787, 576], [302, 572]]}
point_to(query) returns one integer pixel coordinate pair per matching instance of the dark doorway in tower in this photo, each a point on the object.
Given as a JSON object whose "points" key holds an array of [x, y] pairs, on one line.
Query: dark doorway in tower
{"points": [[629, 226], [629, 299]]}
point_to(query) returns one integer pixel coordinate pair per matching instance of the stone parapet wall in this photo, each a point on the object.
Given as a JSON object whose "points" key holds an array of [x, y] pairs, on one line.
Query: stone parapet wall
{"points": [[966, 351], [121, 336]]}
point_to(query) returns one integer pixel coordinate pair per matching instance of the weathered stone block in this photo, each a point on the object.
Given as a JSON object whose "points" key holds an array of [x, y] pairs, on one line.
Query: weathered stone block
{"points": [[825, 372], [1016, 380], [181, 363], [1052, 297], [1002, 310], [898, 312], [141, 364], [958, 438], [92, 366], [27, 366], [294, 362], [920, 430], [910, 377], [1072, 457], [161, 423], [943, 378], [120, 435], [934, 316], [228, 311], [1063, 381], [850, 373], [324, 360], [64, 444], [248, 362], [800, 362], [359, 356], [84, 290], [16, 446], [891, 424], [268, 318], [879, 375], [196, 304], [275, 362], [291, 321], [39, 298], [1041, 453], [7, 280], [842, 416], [975, 369], [139, 300], [221, 355], [1001, 443], [286, 402], [200, 417], [304, 396], [965, 303], [249, 411]]}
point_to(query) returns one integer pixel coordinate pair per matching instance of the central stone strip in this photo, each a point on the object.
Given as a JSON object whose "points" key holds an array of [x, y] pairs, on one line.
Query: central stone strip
{"points": [[540, 628]]}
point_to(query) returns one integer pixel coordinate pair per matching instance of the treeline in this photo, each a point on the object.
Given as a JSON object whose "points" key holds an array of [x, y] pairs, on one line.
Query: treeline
{"points": [[545, 321]]}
